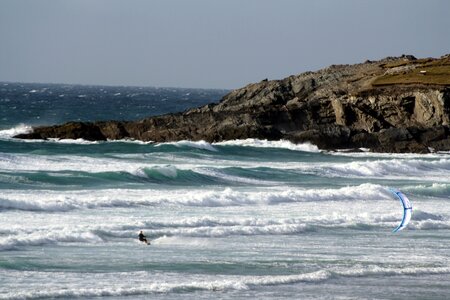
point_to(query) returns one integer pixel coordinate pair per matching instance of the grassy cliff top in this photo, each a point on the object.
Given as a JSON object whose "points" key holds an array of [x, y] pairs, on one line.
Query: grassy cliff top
{"points": [[428, 71]]}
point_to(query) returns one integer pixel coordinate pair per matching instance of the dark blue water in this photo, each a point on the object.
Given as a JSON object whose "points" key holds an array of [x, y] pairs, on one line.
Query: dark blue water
{"points": [[45, 104]]}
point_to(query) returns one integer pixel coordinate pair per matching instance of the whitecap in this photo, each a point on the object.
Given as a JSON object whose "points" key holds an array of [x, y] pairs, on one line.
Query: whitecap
{"points": [[145, 283], [193, 144], [167, 171], [62, 201], [48, 238], [19, 129], [282, 144], [388, 168]]}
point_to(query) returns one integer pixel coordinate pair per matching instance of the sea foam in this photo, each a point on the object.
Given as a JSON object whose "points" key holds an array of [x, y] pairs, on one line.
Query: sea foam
{"points": [[19, 129], [425, 170], [48, 238], [144, 283], [388, 168], [63, 201], [281, 144], [192, 144]]}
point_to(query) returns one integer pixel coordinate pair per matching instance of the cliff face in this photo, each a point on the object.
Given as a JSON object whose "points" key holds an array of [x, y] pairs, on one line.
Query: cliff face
{"points": [[393, 105]]}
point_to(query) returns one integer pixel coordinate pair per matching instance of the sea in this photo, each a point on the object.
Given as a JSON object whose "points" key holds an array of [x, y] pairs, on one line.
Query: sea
{"points": [[230, 220]]}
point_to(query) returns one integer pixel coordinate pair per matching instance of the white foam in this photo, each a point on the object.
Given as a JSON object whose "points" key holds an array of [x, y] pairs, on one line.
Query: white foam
{"points": [[19, 129], [367, 154], [282, 144], [225, 177], [374, 270], [193, 144], [177, 240], [73, 141], [429, 225], [435, 189], [58, 163], [199, 230], [389, 168], [214, 221], [146, 283], [131, 141], [230, 197], [140, 172], [424, 169], [63, 201], [49, 237], [225, 231], [33, 205], [25, 162], [23, 128], [354, 218], [167, 171]]}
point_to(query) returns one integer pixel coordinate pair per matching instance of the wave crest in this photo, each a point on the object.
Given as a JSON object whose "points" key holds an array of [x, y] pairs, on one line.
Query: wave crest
{"points": [[19, 129], [56, 201], [203, 145], [145, 284], [281, 144], [49, 238]]}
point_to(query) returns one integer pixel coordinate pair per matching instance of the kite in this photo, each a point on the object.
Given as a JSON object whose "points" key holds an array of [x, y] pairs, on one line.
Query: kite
{"points": [[407, 209]]}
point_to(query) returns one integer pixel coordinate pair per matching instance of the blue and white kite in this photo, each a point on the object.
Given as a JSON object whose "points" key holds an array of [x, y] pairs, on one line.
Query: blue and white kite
{"points": [[407, 209]]}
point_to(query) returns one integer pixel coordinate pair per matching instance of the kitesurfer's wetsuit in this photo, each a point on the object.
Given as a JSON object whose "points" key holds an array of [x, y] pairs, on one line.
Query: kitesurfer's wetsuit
{"points": [[143, 238]]}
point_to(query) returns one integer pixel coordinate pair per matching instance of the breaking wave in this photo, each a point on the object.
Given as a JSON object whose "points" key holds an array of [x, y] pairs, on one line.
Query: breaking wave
{"points": [[19, 129], [282, 144], [145, 284], [435, 170], [434, 189], [48, 238], [212, 227], [47, 200], [389, 168], [192, 144]]}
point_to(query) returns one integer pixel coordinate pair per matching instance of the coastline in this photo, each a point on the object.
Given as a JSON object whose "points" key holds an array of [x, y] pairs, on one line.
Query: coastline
{"points": [[378, 105]]}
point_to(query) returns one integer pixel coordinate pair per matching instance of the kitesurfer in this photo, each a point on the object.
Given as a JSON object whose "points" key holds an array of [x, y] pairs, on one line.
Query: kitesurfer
{"points": [[143, 238]]}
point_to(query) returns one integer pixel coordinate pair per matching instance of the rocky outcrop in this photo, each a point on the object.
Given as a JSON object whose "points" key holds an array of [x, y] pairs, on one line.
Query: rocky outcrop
{"points": [[381, 105]]}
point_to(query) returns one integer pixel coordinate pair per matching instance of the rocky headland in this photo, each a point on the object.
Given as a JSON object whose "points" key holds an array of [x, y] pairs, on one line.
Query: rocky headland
{"points": [[397, 104]]}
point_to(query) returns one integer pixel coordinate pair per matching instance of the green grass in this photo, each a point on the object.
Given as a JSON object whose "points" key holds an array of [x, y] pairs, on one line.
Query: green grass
{"points": [[437, 73]]}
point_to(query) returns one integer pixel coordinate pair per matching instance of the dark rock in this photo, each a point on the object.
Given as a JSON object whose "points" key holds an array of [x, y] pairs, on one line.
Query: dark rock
{"points": [[408, 57], [71, 130], [365, 139]]}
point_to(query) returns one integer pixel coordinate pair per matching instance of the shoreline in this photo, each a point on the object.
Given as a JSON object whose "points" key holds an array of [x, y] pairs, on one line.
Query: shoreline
{"points": [[371, 105]]}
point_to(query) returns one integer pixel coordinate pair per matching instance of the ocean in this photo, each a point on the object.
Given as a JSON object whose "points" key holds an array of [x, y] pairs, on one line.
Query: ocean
{"points": [[231, 220]]}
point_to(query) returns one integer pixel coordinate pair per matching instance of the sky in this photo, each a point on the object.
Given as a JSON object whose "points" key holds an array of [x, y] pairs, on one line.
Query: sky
{"points": [[208, 43]]}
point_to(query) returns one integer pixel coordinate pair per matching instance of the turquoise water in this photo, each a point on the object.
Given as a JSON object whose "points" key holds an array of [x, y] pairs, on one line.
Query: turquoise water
{"points": [[230, 220]]}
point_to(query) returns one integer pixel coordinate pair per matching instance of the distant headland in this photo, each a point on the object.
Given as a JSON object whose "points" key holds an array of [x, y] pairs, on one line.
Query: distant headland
{"points": [[397, 104]]}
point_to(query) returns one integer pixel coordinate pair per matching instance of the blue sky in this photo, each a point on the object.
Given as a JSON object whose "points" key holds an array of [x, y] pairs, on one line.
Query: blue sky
{"points": [[208, 43]]}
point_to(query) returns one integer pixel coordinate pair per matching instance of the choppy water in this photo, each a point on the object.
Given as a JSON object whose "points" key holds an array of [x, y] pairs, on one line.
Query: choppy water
{"points": [[229, 220]]}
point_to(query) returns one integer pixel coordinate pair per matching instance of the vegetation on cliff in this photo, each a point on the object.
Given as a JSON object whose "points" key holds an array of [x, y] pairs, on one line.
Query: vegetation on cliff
{"points": [[420, 71]]}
